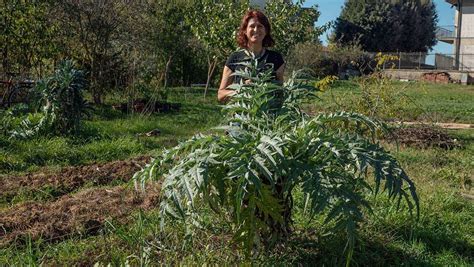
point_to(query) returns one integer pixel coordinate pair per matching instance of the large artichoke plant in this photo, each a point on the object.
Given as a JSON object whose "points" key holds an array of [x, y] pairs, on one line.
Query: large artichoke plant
{"points": [[271, 148]]}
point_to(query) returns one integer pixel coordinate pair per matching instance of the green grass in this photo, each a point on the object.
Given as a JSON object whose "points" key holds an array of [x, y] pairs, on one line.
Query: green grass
{"points": [[424, 102], [110, 135], [442, 236]]}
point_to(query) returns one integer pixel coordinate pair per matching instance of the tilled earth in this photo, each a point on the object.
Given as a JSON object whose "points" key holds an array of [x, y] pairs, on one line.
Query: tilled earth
{"points": [[82, 213], [70, 179], [67, 214]]}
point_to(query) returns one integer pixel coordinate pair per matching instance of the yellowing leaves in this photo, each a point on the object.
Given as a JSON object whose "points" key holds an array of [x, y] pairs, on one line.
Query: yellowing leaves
{"points": [[326, 82]]}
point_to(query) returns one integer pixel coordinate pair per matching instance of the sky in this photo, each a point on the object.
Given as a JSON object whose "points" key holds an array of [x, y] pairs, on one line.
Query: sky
{"points": [[330, 10]]}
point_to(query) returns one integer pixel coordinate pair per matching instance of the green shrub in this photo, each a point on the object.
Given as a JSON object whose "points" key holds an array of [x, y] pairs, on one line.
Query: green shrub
{"points": [[322, 61], [312, 57], [380, 97]]}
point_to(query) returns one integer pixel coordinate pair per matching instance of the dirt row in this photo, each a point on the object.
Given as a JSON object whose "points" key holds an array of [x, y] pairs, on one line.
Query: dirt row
{"points": [[83, 213], [70, 179]]}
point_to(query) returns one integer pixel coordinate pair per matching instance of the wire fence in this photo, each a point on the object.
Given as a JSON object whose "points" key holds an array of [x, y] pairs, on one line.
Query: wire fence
{"points": [[446, 31], [431, 61]]}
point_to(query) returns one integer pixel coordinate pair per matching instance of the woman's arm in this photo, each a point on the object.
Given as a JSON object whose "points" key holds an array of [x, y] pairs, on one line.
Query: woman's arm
{"points": [[279, 73], [223, 93]]}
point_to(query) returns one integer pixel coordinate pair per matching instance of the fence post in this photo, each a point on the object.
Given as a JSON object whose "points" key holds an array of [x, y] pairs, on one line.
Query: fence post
{"points": [[419, 60], [399, 60]]}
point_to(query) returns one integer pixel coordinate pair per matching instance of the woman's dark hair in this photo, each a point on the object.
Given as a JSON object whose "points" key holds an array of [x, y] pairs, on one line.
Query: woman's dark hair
{"points": [[242, 39]]}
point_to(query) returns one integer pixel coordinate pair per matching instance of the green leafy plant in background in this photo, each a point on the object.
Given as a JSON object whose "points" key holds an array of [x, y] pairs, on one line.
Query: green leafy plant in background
{"points": [[380, 97], [271, 148], [10, 118], [62, 103]]}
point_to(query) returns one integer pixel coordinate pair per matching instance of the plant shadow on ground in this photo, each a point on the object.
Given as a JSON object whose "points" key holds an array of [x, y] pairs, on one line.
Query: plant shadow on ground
{"points": [[442, 234], [437, 242], [328, 251], [376, 248]]}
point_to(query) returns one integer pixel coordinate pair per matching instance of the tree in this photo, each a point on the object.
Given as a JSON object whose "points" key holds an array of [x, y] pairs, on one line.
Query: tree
{"points": [[292, 24], [216, 24], [27, 36], [166, 39], [387, 25], [163, 53], [89, 30]]}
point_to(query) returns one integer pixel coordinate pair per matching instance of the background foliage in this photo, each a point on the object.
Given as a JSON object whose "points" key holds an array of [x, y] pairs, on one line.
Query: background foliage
{"points": [[387, 25], [126, 47], [27, 33]]}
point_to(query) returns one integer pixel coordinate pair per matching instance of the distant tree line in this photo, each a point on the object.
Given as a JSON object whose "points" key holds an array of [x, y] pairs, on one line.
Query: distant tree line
{"points": [[128, 46]]}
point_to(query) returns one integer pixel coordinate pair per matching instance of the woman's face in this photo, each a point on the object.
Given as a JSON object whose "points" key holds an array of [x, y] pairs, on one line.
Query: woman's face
{"points": [[255, 31]]}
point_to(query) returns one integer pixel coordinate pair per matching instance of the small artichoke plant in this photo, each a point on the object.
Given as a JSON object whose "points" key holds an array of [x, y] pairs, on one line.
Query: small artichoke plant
{"points": [[62, 103]]}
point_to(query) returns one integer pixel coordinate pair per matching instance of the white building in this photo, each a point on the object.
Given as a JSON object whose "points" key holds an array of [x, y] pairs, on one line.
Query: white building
{"points": [[461, 35]]}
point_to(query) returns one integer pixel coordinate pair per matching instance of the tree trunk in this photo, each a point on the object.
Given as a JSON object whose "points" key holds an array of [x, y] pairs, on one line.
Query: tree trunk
{"points": [[167, 69], [210, 71], [96, 91], [5, 66], [97, 97]]}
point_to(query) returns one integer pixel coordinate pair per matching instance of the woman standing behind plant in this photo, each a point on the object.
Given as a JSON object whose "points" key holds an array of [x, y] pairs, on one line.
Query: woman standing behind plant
{"points": [[254, 37]]}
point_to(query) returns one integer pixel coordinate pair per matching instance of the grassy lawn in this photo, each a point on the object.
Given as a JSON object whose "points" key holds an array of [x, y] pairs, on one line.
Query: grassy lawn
{"points": [[110, 135], [423, 102], [443, 234]]}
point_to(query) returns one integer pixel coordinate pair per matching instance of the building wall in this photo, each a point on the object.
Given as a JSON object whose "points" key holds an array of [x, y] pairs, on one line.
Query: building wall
{"points": [[467, 35], [467, 27]]}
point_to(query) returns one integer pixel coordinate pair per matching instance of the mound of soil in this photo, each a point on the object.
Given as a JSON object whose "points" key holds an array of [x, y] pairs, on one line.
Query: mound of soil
{"points": [[83, 213], [71, 178], [424, 136]]}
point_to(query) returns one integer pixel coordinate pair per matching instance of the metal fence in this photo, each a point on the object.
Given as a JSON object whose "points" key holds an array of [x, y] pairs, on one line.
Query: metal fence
{"points": [[431, 61], [448, 31]]}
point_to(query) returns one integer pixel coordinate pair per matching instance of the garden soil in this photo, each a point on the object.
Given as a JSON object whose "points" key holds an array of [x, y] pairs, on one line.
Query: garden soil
{"points": [[71, 178], [425, 136], [83, 213]]}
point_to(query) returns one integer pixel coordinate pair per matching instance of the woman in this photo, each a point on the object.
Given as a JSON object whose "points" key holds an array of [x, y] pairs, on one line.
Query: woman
{"points": [[254, 36]]}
